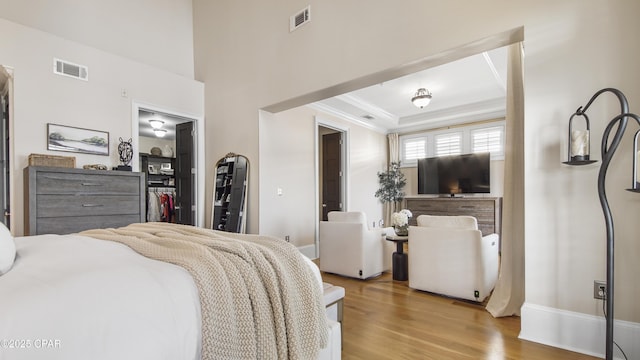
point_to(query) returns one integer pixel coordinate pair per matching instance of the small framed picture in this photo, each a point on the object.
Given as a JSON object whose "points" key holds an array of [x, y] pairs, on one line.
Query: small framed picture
{"points": [[153, 169], [165, 166]]}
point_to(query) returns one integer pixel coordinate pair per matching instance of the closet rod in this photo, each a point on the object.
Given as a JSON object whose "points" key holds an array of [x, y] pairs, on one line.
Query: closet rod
{"points": [[162, 189]]}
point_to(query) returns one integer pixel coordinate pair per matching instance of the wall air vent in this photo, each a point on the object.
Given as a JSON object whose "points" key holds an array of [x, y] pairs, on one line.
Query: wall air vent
{"points": [[300, 18], [65, 68]]}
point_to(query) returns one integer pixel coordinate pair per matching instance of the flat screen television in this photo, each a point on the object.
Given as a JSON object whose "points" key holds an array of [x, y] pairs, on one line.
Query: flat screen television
{"points": [[455, 174]]}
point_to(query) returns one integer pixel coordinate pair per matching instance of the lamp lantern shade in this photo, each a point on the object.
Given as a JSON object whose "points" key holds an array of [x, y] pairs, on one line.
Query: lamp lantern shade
{"points": [[579, 143], [160, 132], [422, 98]]}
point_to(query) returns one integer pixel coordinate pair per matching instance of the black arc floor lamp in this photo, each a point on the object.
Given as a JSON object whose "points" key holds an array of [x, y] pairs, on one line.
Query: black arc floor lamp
{"points": [[578, 154]]}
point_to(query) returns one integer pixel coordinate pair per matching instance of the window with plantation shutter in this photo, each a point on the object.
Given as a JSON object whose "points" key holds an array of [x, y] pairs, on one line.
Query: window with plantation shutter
{"points": [[488, 140], [466, 139], [448, 144], [413, 149]]}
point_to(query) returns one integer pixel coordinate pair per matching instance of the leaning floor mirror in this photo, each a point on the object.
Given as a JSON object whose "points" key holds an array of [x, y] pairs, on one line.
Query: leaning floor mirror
{"points": [[230, 192]]}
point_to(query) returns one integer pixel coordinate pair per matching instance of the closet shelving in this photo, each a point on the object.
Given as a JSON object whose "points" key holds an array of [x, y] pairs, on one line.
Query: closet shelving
{"points": [[160, 179], [159, 170]]}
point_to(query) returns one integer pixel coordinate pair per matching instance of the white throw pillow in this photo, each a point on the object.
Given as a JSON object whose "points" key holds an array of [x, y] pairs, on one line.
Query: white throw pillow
{"points": [[7, 249]]}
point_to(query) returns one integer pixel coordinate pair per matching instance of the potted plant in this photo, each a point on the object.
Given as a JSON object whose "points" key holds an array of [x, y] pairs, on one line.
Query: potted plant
{"points": [[390, 192]]}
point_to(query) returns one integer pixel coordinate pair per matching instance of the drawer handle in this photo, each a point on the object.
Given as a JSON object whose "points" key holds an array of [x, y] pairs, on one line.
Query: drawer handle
{"points": [[91, 184], [92, 205]]}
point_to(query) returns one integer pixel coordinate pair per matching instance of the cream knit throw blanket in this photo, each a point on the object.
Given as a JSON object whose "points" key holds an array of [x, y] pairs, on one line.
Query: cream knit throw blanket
{"points": [[258, 298]]}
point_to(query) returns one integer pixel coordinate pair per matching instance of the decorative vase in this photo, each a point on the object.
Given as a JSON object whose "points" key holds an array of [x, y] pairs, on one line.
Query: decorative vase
{"points": [[401, 230]]}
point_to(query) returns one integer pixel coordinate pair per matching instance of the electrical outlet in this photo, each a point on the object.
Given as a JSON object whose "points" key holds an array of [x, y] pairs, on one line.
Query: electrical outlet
{"points": [[599, 290], [286, 238]]}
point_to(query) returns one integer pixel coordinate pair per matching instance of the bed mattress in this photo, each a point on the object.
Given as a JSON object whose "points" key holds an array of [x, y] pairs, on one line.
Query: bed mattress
{"points": [[120, 305]]}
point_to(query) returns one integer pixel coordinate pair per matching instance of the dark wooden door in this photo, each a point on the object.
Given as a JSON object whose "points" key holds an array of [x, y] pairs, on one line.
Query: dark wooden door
{"points": [[331, 173], [184, 174]]}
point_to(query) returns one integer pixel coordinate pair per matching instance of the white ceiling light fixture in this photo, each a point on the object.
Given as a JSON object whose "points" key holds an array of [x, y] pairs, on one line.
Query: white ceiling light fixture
{"points": [[160, 132], [422, 98], [156, 124]]}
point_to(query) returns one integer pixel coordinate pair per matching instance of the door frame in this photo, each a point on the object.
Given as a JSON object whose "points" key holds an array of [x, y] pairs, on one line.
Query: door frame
{"points": [[344, 167], [199, 190], [8, 90]]}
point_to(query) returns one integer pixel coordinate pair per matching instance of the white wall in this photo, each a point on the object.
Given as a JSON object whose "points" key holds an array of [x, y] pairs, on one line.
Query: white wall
{"points": [[287, 161], [573, 48], [156, 33], [367, 157], [41, 97], [565, 238]]}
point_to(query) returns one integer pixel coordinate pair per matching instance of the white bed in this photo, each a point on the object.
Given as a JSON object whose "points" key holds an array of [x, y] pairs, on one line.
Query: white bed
{"points": [[75, 297]]}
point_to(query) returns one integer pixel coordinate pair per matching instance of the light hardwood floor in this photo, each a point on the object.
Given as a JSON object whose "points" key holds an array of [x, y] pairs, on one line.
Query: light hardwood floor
{"points": [[385, 319]]}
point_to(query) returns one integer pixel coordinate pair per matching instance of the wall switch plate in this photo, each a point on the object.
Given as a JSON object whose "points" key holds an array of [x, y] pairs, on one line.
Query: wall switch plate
{"points": [[286, 238], [599, 290]]}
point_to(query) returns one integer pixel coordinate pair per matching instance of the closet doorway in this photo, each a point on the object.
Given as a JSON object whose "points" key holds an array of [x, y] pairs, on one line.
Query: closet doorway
{"points": [[166, 150]]}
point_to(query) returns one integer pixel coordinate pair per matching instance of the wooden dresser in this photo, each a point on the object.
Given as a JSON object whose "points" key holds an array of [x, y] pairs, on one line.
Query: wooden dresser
{"points": [[62, 201], [487, 210]]}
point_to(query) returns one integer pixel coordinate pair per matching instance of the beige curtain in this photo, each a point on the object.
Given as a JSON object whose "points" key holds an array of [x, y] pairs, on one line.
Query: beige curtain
{"points": [[394, 156], [394, 148], [508, 295]]}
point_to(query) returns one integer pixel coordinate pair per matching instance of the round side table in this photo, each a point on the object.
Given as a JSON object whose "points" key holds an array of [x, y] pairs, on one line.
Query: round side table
{"points": [[400, 258]]}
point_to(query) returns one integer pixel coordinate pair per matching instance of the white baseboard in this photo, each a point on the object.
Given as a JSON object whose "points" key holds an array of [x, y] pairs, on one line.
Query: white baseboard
{"points": [[577, 332], [308, 251]]}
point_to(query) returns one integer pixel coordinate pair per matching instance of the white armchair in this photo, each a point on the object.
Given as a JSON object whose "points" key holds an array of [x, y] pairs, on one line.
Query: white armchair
{"points": [[349, 248], [448, 255]]}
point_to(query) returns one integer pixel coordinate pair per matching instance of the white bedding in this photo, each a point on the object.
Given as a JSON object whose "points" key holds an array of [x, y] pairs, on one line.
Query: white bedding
{"points": [[73, 297]]}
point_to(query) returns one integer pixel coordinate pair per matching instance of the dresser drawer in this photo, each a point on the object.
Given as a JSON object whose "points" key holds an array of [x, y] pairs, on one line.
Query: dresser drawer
{"points": [[63, 201], [86, 205], [68, 225], [483, 211], [73, 183]]}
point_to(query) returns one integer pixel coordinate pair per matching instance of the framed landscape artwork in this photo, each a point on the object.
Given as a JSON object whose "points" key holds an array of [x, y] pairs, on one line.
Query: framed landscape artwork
{"points": [[73, 139]]}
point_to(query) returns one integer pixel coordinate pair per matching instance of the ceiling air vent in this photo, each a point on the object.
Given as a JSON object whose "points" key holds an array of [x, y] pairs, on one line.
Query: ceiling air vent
{"points": [[65, 68], [300, 18]]}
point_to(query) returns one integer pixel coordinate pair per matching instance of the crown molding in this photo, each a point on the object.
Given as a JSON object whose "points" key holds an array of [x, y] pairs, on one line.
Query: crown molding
{"points": [[460, 120], [346, 116], [473, 111], [377, 112]]}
